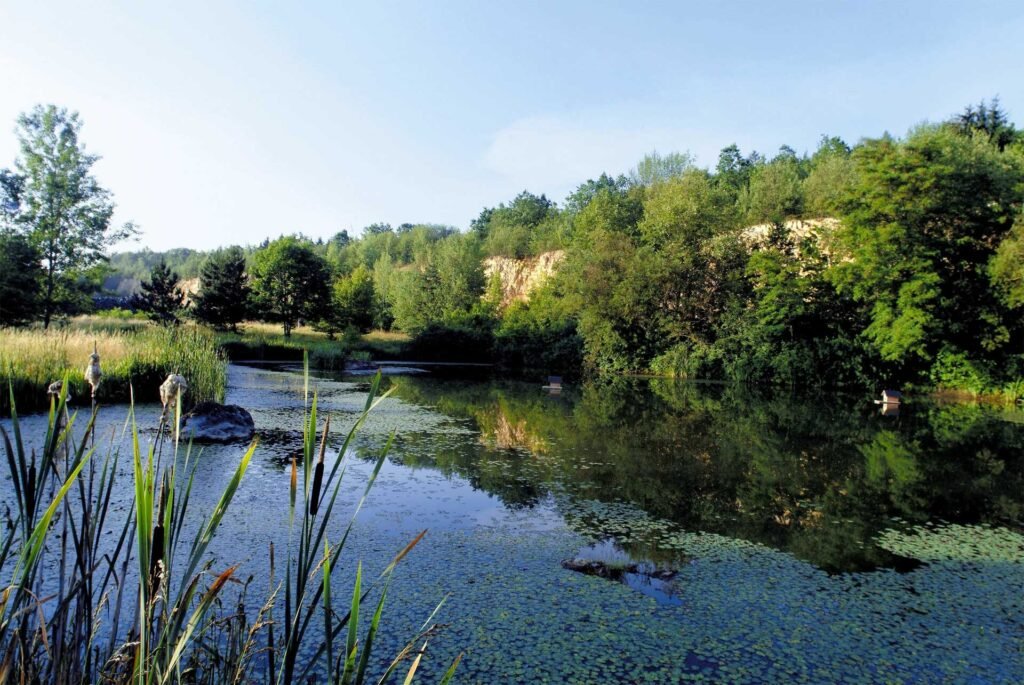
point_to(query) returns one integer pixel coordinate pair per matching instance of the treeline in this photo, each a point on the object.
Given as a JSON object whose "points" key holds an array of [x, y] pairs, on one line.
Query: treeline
{"points": [[895, 260]]}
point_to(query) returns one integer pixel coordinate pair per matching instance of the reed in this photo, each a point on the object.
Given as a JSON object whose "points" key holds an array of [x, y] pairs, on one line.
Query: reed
{"points": [[139, 358], [68, 586], [260, 341]]}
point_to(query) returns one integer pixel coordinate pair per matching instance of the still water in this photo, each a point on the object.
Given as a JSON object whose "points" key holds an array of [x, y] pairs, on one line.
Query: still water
{"points": [[790, 539]]}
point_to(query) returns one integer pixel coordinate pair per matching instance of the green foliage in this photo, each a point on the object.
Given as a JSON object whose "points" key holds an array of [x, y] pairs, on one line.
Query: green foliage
{"points": [[352, 302], [989, 120], [1007, 266], [774, 193], [465, 338], [446, 283], [161, 298], [829, 180], [517, 229], [223, 297], [290, 283], [656, 168], [955, 371], [922, 222], [60, 206], [20, 280], [539, 335]]}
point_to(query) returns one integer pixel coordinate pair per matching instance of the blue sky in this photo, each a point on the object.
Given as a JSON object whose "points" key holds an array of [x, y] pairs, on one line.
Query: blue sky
{"points": [[223, 123]]}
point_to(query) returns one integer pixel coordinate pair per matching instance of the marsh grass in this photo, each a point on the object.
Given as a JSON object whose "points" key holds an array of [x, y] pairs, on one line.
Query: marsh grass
{"points": [[72, 574], [138, 356], [265, 342]]}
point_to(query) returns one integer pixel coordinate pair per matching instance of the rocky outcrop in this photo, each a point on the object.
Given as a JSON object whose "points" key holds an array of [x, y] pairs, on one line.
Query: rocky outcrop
{"points": [[520, 277], [819, 231], [212, 422]]}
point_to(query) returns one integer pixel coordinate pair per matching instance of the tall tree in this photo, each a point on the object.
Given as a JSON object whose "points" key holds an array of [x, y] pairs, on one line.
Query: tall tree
{"points": [[223, 297], [60, 205], [161, 298], [924, 218], [988, 119], [290, 283], [352, 300], [656, 168], [20, 278]]}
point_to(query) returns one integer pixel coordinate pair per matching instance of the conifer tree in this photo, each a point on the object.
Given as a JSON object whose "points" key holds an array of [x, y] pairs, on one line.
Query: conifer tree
{"points": [[161, 298], [223, 298]]}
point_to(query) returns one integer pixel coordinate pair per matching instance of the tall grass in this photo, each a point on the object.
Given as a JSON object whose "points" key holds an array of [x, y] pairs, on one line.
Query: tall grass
{"points": [[261, 341], [31, 359], [72, 574]]}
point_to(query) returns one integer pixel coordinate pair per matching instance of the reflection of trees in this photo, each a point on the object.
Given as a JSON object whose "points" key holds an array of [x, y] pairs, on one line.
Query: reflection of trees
{"points": [[817, 478]]}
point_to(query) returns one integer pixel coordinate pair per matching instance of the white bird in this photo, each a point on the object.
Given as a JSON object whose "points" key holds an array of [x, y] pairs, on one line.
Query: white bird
{"points": [[93, 374], [171, 388]]}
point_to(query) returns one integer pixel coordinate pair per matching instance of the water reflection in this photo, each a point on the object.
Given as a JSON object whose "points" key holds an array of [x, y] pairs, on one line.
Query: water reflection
{"points": [[817, 479]]}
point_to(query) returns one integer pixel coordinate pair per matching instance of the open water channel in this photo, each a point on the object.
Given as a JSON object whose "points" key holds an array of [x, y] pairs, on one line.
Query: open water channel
{"points": [[794, 539]]}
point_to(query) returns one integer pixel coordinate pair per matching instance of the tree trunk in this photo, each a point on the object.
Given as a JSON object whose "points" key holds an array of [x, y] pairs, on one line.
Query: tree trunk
{"points": [[48, 305]]}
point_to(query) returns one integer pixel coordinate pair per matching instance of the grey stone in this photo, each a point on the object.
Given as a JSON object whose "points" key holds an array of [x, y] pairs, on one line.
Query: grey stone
{"points": [[213, 422]]}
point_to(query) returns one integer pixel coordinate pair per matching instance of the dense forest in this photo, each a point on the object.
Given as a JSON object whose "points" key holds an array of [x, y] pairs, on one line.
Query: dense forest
{"points": [[894, 260]]}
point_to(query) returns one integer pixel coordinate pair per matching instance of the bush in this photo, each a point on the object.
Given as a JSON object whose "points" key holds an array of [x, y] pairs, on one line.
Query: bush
{"points": [[525, 340], [468, 338], [953, 370]]}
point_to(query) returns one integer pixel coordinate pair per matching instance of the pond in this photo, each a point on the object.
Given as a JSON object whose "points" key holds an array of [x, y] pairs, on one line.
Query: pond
{"points": [[747, 536]]}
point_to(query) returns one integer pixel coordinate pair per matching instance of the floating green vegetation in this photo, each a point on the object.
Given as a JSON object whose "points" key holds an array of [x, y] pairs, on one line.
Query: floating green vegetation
{"points": [[953, 542]]}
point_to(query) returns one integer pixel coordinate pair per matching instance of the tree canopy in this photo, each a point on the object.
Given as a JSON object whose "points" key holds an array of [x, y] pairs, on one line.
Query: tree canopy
{"points": [[53, 198], [289, 283]]}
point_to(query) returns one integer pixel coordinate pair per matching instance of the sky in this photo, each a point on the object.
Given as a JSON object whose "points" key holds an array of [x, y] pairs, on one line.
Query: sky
{"points": [[224, 123]]}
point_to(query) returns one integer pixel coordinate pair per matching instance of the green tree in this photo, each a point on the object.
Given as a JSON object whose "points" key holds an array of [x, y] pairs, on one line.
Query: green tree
{"points": [[830, 180], [20, 279], [161, 298], [61, 207], [989, 120], [1007, 265], [774, 193], [923, 219], [512, 230], [655, 168], [290, 283], [352, 301], [223, 297]]}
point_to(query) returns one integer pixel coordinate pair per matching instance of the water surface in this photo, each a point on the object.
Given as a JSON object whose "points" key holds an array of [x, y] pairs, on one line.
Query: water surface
{"points": [[813, 539]]}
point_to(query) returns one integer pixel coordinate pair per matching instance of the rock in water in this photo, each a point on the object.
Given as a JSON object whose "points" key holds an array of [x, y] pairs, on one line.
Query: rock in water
{"points": [[212, 422]]}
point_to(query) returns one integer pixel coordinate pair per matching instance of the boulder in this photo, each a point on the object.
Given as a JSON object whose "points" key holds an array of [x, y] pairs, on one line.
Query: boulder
{"points": [[212, 422]]}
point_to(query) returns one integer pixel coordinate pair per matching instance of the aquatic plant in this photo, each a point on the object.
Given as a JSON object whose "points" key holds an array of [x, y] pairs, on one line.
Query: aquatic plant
{"points": [[72, 571]]}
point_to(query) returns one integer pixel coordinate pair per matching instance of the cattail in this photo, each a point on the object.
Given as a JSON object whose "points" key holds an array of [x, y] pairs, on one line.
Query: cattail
{"points": [[294, 484], [93, 373], [55, 388], [173, 387], [156, 559], [318, 473]]}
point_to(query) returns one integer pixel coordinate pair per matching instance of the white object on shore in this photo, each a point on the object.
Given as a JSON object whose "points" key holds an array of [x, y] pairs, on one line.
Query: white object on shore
{"points": [[171, 388], [93, 373]]}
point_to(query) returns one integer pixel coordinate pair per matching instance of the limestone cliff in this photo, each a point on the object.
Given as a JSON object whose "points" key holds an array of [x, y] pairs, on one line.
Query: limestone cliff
{"points": [[520, 277]]}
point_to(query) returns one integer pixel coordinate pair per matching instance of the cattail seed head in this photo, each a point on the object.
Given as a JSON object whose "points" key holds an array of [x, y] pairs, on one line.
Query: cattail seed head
{"points": [[293, 486]]}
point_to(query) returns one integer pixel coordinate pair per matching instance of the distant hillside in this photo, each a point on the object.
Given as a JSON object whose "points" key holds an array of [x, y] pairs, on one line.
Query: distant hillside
{"points": [[130, 268]]}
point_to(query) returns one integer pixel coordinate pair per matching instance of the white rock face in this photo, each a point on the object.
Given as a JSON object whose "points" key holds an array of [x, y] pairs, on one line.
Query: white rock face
{"points": [[520, 277]]}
